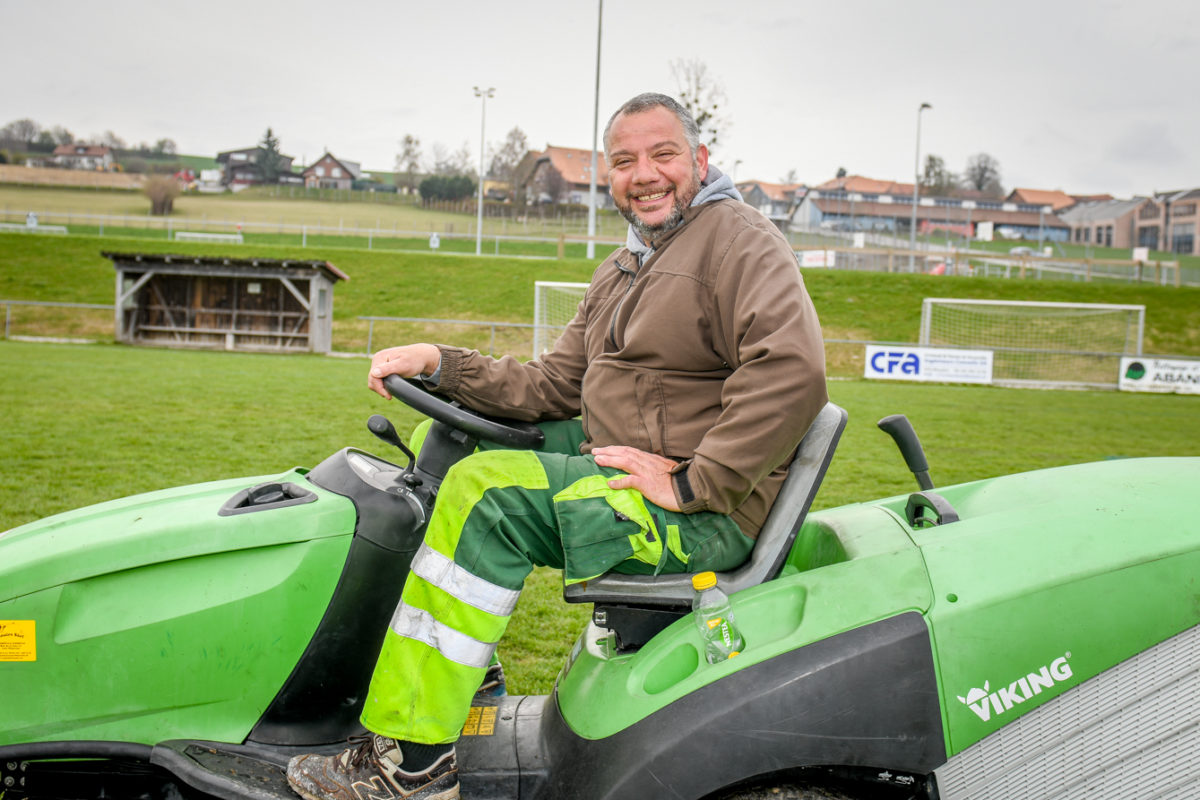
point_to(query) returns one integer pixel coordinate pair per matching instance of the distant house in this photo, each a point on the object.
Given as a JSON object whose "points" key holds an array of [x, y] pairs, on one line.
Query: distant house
{"points": [[83, 156], [329, 172], [562, 175], [857, 203], [242, 168], [1169, 221], [1057, 200], [1104, 223], [774, 200]]}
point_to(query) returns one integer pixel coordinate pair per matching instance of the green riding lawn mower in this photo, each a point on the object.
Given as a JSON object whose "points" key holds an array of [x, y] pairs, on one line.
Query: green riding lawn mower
{"points": [[1033, 635]]}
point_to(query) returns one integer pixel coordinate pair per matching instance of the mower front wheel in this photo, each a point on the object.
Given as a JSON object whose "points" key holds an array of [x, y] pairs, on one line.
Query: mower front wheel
{"points": [[788, 792]]}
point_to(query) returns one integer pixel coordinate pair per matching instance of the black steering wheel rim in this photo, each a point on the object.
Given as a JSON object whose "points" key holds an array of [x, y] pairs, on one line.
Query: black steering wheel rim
{"points": [[508, 433]]}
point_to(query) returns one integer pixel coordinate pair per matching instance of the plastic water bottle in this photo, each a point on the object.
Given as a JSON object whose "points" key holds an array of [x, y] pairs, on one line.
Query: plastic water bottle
{"points": [[714, 619]]}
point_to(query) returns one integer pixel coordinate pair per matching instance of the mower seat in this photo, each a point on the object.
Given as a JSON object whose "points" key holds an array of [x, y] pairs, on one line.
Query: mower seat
{"points": [[644, 604]]}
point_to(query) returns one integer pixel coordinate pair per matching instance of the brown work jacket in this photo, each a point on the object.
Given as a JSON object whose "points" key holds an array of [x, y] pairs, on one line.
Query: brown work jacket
{"points": [[709, 353]]}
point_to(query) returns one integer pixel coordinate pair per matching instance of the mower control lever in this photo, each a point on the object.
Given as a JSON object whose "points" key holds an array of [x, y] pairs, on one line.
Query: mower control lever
{"points": [[382, 427], [901, 430]]}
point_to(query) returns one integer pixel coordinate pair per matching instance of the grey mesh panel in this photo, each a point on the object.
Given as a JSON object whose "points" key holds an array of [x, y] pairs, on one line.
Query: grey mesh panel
{"points": [[1132, 731]]}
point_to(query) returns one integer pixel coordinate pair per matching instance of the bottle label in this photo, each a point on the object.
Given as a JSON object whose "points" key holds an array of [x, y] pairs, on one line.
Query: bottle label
{"points": [[714, 622]]}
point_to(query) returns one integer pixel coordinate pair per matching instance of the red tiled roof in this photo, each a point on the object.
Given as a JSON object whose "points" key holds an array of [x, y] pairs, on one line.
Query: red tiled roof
{"points": [[574, 164], [857, 183], [1057, 200]]}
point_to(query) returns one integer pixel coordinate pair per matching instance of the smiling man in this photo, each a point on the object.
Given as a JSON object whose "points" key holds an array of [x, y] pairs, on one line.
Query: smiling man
{"points": [[672, 403]]}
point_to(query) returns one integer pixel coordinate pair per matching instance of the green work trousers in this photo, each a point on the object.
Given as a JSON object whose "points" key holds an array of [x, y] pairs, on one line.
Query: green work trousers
{"points": [[498, 514]]}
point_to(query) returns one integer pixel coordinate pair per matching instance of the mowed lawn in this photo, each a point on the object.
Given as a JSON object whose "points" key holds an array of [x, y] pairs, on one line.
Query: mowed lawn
{"points": [[86, 423]]}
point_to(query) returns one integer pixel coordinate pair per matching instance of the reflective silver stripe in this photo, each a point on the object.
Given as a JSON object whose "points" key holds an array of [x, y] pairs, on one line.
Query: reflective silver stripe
{"points": [[455, 581], [415, 623]]}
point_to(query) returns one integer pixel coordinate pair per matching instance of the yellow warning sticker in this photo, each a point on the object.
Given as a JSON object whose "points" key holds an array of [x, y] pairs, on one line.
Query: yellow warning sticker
{"points": [[481, 721], [18, 641]]}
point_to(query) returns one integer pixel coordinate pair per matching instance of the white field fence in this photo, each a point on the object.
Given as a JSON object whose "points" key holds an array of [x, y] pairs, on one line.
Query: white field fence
{"points": [[1039, 343]]}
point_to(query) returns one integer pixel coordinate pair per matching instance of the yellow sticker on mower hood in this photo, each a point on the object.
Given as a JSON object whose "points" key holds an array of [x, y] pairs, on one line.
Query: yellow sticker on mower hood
{"points": [[18, 640]]}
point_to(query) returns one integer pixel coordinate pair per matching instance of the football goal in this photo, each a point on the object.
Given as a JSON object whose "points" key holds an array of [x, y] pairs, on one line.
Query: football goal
{"points": [[1039, 343], [554, 305]]}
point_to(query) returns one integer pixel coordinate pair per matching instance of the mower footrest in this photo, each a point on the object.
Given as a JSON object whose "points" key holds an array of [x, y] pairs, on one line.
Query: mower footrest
{"points": [[226, 770]]}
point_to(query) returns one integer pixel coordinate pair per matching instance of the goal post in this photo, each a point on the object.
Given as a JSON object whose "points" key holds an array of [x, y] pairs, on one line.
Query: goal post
{"points": [[1039, 343], [554, 305]]}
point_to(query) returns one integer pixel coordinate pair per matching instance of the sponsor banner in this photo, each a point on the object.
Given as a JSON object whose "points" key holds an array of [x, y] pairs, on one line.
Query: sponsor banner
{"points": [[816, 258], [1147, 374], [928, 364]]}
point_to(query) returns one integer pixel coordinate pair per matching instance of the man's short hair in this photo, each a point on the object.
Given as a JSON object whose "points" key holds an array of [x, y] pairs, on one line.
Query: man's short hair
{"points": [[649, 100]]}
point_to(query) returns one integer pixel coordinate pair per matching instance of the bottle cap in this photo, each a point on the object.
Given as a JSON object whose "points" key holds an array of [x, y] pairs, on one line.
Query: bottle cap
{"points": [[704, 580]]}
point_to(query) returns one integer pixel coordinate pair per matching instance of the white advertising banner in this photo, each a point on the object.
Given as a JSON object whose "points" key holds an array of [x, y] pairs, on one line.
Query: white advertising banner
{"points": [[1147, 374], [816, 258], [941, 365]]}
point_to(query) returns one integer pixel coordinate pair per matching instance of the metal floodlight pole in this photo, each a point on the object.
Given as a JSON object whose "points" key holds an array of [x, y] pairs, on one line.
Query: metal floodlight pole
{"points": [[591, 245], [912, 228], [484, 94]]}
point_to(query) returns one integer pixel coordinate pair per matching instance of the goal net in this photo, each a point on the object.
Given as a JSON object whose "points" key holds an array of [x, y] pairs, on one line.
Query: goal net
{"points": [[554, 305], [1037, 343]]}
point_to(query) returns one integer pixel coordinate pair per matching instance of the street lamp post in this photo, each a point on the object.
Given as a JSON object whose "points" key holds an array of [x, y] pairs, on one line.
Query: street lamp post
{"points": [[484, 94], [912, 228], [591, 243]]}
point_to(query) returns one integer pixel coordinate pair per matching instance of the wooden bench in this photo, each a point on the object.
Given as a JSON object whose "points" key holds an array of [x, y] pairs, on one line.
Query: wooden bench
{"points": [[20, 227], [196, 236]]}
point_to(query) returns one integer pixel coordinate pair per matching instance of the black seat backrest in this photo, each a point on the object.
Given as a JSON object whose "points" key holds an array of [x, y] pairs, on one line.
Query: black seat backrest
{"points": [[770, 550]]}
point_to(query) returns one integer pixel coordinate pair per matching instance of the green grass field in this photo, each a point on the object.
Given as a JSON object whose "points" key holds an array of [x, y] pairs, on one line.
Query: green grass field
{"points": [[86, 423]]}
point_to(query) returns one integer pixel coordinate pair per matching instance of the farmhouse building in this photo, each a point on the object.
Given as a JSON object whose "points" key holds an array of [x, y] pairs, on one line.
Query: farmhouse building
{"points": [[562, 175], [242, 168], [774, 200], [84, 156], [329, 172]]}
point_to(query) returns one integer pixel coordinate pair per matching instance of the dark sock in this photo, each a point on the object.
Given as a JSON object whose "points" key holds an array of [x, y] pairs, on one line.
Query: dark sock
{"points": [[419, 757]]}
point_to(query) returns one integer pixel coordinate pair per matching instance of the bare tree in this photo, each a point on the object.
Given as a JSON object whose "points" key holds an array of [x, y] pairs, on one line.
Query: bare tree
{"points": [[936, 179], [21, 131], [62, 135], [507, 155], [790, 177], [162, 191], [408, 161], [550, 184], [111, 140], [983, 175], [704, 96]]}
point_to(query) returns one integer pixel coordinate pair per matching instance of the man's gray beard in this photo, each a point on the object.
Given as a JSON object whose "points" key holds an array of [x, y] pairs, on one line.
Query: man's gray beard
{"points": [[651, 232]]}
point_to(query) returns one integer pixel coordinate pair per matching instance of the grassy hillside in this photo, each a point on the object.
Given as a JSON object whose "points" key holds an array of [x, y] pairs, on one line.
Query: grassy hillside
{"points": [[860, 306]]}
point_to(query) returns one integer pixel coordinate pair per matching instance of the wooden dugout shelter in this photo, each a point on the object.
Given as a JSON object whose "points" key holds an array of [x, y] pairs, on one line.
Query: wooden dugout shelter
{"points": [[262, 304]]}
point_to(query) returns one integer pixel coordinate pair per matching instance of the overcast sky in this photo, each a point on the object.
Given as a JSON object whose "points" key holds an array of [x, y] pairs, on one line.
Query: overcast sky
{"points": [[1086, 97]]}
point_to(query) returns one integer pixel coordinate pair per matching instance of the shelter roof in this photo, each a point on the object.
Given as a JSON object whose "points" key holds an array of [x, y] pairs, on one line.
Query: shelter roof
{"points": [[283, 265]]}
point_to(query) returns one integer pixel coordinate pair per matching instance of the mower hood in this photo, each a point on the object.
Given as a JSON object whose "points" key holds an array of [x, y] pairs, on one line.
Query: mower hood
{"points": [[162, 526]]}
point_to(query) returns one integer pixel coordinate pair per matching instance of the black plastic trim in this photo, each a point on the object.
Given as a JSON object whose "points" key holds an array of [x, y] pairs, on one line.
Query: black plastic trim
{"points": [[864, 698]]}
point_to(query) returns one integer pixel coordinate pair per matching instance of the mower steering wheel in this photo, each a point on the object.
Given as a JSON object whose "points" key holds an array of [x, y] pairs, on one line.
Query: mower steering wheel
{"points": [[509, 433]]}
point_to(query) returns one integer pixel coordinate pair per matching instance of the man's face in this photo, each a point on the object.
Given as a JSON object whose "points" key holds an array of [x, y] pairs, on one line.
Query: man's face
{"points": [[652, 174]]}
